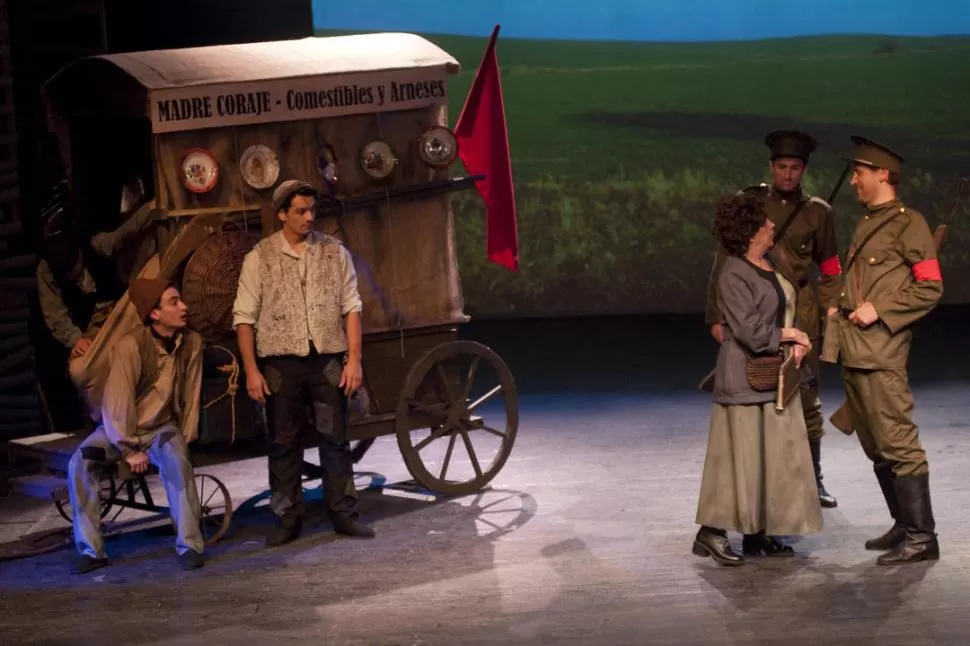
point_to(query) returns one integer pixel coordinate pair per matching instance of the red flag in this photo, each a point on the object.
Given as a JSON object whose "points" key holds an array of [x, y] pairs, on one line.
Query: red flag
{"points": [[483, 146]]}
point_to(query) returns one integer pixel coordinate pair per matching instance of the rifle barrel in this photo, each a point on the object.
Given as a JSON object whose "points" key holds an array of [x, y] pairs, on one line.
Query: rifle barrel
{"points": [[426, 189]]}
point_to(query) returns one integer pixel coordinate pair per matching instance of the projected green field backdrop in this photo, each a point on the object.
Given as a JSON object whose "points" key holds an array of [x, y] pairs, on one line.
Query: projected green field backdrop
{"points": [[626, 122]]}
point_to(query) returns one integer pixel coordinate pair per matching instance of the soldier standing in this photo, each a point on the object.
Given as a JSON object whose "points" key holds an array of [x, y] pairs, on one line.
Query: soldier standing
{"points": [[804, 236], [892, 280]]}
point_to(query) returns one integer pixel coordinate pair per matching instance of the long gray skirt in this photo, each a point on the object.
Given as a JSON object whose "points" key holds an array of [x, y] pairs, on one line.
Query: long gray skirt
{"points": [[758, 473]]}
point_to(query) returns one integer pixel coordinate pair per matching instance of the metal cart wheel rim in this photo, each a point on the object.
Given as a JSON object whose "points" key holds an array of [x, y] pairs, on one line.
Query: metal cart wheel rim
{"points": [[206, 494], [403, 430]]}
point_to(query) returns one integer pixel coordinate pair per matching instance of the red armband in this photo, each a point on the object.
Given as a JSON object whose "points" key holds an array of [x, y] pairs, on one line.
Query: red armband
{"points": [[927, 270], [830, 267]]}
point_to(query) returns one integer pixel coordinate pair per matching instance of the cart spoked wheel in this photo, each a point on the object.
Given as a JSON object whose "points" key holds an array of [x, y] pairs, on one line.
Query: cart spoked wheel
{"points": [[215, 508], [459, 393], [106, 494]]}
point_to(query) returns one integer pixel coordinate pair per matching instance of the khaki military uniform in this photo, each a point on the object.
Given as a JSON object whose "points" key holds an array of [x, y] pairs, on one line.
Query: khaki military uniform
{"points": [[897, 271], [809, 241]]}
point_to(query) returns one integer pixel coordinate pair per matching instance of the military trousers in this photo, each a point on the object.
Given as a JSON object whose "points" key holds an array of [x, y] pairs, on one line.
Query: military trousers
{"points": [[881, 405], [305, 391], [811, 401], [167, 451]]}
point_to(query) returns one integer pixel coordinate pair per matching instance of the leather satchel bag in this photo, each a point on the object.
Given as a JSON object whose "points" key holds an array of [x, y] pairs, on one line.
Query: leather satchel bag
{"points": [[764, 372]]}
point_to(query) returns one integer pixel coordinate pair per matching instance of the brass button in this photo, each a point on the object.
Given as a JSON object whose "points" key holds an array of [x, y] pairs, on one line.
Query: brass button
{"points": [[902, 209], [842, 294], [872, 260]]}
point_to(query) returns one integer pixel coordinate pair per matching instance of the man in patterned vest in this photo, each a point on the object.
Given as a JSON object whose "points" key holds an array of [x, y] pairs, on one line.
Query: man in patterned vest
{"points": [[804, 236], [297, 319]]}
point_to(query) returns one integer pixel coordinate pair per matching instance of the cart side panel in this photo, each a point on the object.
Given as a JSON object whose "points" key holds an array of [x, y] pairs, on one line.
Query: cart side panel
{"points": [[227, 145], [404, 252], [388, 358]]}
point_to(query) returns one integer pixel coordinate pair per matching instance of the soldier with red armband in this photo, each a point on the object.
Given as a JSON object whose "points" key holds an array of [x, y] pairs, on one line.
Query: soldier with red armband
{"points": [[892, 280], [804, 239]]}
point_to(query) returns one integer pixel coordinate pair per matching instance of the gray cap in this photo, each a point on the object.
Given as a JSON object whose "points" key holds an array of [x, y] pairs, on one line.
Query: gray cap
{"points": [[287, 189]]}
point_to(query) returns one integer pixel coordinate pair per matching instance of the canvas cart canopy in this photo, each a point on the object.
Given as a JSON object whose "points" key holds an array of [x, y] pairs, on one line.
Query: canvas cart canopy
{"points": [[202, 87]]}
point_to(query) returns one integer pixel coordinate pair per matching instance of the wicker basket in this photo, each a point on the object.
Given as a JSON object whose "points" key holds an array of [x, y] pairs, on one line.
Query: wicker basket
{"points": [[210, 282]]}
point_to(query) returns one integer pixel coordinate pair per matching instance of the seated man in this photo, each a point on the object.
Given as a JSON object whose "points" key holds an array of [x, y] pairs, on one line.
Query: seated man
{"points": [[150, 413]]}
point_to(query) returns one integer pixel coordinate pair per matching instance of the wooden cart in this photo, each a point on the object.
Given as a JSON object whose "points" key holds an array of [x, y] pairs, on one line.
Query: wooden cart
{"points": [[364, 118]]}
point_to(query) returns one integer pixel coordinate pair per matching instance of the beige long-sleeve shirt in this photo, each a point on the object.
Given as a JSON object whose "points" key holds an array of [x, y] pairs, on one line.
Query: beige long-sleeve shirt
{"points": [[132, 416], [56, 316]]}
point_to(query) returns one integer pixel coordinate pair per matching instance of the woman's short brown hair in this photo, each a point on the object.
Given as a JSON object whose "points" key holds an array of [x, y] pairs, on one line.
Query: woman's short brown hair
{"points": [[738, 218]]}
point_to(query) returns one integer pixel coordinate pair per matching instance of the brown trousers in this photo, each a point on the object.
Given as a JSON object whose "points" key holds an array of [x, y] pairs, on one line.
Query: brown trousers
{"points": [[881, 404]]}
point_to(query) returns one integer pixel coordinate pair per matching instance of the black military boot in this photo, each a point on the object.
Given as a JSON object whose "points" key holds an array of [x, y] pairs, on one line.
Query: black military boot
{"points": [[919, 539], [886, 478], [714, 543], [825, 499]]}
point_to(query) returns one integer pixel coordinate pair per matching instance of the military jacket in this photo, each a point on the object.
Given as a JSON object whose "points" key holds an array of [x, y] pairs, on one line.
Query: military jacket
{"points": [[809, 241], [898, 272]]}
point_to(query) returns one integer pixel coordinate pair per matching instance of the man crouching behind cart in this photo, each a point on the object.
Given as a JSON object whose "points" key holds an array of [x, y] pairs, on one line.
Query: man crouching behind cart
{"points": [[298, 289], [149, 414]]}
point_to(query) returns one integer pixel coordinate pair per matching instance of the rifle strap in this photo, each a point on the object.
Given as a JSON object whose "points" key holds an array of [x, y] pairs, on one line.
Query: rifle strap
{"points": [[780, 231], [862, 244]]}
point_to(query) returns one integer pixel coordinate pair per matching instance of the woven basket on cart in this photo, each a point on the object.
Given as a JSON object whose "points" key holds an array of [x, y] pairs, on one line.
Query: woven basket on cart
{"points": [[210, 281]]}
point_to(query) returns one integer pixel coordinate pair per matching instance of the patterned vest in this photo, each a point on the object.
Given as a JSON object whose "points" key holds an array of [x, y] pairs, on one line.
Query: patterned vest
{"points": [[291, 313]]}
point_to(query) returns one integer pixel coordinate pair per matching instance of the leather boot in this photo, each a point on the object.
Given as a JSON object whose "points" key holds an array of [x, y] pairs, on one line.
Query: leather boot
{"points": [[761, 545], [287, 530], [886, 478], [825, 499], [919, 539], [714, 543]]}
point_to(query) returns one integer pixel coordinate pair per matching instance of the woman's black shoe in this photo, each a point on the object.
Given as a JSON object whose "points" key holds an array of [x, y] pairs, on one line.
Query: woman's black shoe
{"points": [[714, 543], [761, 545]]}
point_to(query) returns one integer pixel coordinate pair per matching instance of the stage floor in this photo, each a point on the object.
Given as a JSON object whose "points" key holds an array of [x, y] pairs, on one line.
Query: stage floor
{"points": [[584, 538]]}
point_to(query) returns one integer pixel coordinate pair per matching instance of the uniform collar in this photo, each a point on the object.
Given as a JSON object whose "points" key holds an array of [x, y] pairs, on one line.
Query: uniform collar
{"points": [[884, 208], [790, 196]]}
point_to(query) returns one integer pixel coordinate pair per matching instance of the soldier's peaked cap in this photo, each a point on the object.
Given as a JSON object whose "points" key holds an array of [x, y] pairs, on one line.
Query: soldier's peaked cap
{"points": [[790, 143], [870, 153]]}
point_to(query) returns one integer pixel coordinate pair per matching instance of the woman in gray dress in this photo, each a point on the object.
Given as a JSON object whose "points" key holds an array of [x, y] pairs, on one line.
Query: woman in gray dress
{"points": [[758, 476]]}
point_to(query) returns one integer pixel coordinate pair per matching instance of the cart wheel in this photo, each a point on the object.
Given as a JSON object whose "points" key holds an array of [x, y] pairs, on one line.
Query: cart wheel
{"points": [[107, 494], [441, 396], [214, 501]]}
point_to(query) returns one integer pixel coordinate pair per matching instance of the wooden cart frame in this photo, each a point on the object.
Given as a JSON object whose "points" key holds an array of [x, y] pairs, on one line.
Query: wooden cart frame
{"points": [[424, 385]]}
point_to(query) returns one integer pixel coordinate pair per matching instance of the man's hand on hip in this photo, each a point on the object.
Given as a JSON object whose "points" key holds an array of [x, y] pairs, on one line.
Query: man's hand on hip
{"points": [[865, 315]]}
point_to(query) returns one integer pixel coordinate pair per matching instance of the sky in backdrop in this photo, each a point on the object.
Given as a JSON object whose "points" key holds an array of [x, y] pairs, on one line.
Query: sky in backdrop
{"points": [[651, 20]]}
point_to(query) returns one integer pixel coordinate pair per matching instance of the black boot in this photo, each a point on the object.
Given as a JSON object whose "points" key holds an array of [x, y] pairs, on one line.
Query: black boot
{"points": [[714, 543], [919, 539], [886, 478], [286, 531], [761, 545], [826, 499]]}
